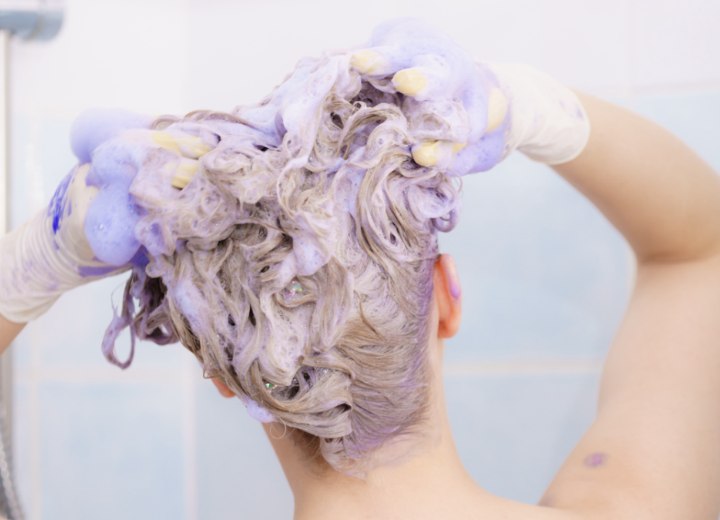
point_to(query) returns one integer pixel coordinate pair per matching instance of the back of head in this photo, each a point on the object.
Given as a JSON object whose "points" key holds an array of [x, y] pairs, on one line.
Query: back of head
{"points": [[297, 264]]}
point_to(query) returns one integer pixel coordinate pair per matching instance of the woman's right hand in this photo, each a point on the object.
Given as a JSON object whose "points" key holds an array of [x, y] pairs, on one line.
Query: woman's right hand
{"points": [[88, 230], [504, 106], [98, 215]]}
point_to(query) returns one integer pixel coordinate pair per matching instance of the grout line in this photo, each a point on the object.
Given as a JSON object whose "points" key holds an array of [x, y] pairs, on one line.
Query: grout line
{"points": [[190, 438], [35, 476], [35, 425], [552, 367]]}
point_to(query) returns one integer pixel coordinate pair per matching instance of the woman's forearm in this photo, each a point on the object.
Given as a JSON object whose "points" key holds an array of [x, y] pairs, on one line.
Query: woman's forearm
{"points": [[8, 331], [659, 194]]}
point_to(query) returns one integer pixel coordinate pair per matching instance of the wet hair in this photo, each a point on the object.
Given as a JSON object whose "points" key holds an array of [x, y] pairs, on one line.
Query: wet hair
{"points": [[297, 264]]}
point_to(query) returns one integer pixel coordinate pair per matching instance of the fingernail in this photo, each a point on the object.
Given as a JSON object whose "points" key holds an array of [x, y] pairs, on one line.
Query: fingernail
{"points": [[410, 82], [186, 145], [453, 281], [497, 108], [432, 153], [186, 170], [165, 140], [367, 61], [192, 147], [455, 290], [425, 154]]}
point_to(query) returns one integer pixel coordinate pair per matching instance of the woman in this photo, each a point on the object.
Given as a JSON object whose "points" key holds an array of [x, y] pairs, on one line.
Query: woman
{"points": [[292, 247]]}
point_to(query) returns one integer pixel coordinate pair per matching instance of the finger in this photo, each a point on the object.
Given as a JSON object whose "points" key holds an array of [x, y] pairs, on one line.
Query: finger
{"points": [[380, 61], [435, 153], [184, 173], [368, 61], [411, 82], [479, 156], [189, 146], [80, 192], [497, 109], [430, 76], [79, 197], [110, 226], [114, 161]]}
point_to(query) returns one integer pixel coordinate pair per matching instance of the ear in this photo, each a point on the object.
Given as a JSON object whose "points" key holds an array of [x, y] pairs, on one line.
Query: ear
{"points": [[222, 388], [447, 296]]}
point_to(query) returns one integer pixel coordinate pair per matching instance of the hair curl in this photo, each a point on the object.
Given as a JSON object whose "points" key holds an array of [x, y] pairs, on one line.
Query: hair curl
{"points": [[297, 264]]}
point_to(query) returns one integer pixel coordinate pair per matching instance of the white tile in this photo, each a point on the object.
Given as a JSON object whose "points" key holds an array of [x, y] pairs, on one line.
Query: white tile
{"points": [[111, 451], [126, 54], [238, 53], [675, 42], [238, 475]]}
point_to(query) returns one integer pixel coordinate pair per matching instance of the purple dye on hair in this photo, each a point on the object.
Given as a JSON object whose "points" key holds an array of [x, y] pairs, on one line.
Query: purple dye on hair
{"points": [[288, 192]]}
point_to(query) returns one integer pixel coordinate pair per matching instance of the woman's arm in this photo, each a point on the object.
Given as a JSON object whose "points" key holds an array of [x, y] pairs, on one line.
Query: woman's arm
{"points": [[8, 331], [654, 449]]}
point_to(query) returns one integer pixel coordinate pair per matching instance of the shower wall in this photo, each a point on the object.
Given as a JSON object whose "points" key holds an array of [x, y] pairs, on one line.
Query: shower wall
{"points": [[545, 277], [92, 441]]}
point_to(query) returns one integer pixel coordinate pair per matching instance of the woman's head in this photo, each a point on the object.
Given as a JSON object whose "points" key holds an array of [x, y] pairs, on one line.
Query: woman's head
{"points": [[298, 264]]}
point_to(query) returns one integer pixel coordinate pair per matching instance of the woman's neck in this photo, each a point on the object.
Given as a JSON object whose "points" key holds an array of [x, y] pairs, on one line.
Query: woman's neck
{"points": [[427, 483]]}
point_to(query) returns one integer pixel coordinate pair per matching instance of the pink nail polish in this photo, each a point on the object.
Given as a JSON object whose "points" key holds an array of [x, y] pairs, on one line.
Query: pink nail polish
{"points": [[454, 290]]}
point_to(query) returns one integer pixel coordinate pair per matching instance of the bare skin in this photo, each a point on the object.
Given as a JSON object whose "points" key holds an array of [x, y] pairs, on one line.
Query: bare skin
{"points": [[8, 332], [653, 451]]}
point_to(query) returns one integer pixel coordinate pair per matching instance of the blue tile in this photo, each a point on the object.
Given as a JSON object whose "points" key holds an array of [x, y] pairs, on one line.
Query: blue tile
{"points": [[673, 42], [70, 334], [693, 117], [514, 431], [22, 418], [111, 451], [544, 274], [238, 475]]}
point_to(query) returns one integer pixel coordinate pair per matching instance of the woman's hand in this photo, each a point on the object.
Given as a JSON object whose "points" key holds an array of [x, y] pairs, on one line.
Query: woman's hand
{"points": [[489, 109], [111, 214], [87, 232]]}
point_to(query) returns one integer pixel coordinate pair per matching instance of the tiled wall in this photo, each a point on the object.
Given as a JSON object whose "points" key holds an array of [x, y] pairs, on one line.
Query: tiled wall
{"points": [[545, 277]]}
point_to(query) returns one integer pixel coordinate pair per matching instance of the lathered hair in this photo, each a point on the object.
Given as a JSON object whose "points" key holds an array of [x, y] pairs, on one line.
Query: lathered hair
{"points": [[297, 264]]}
